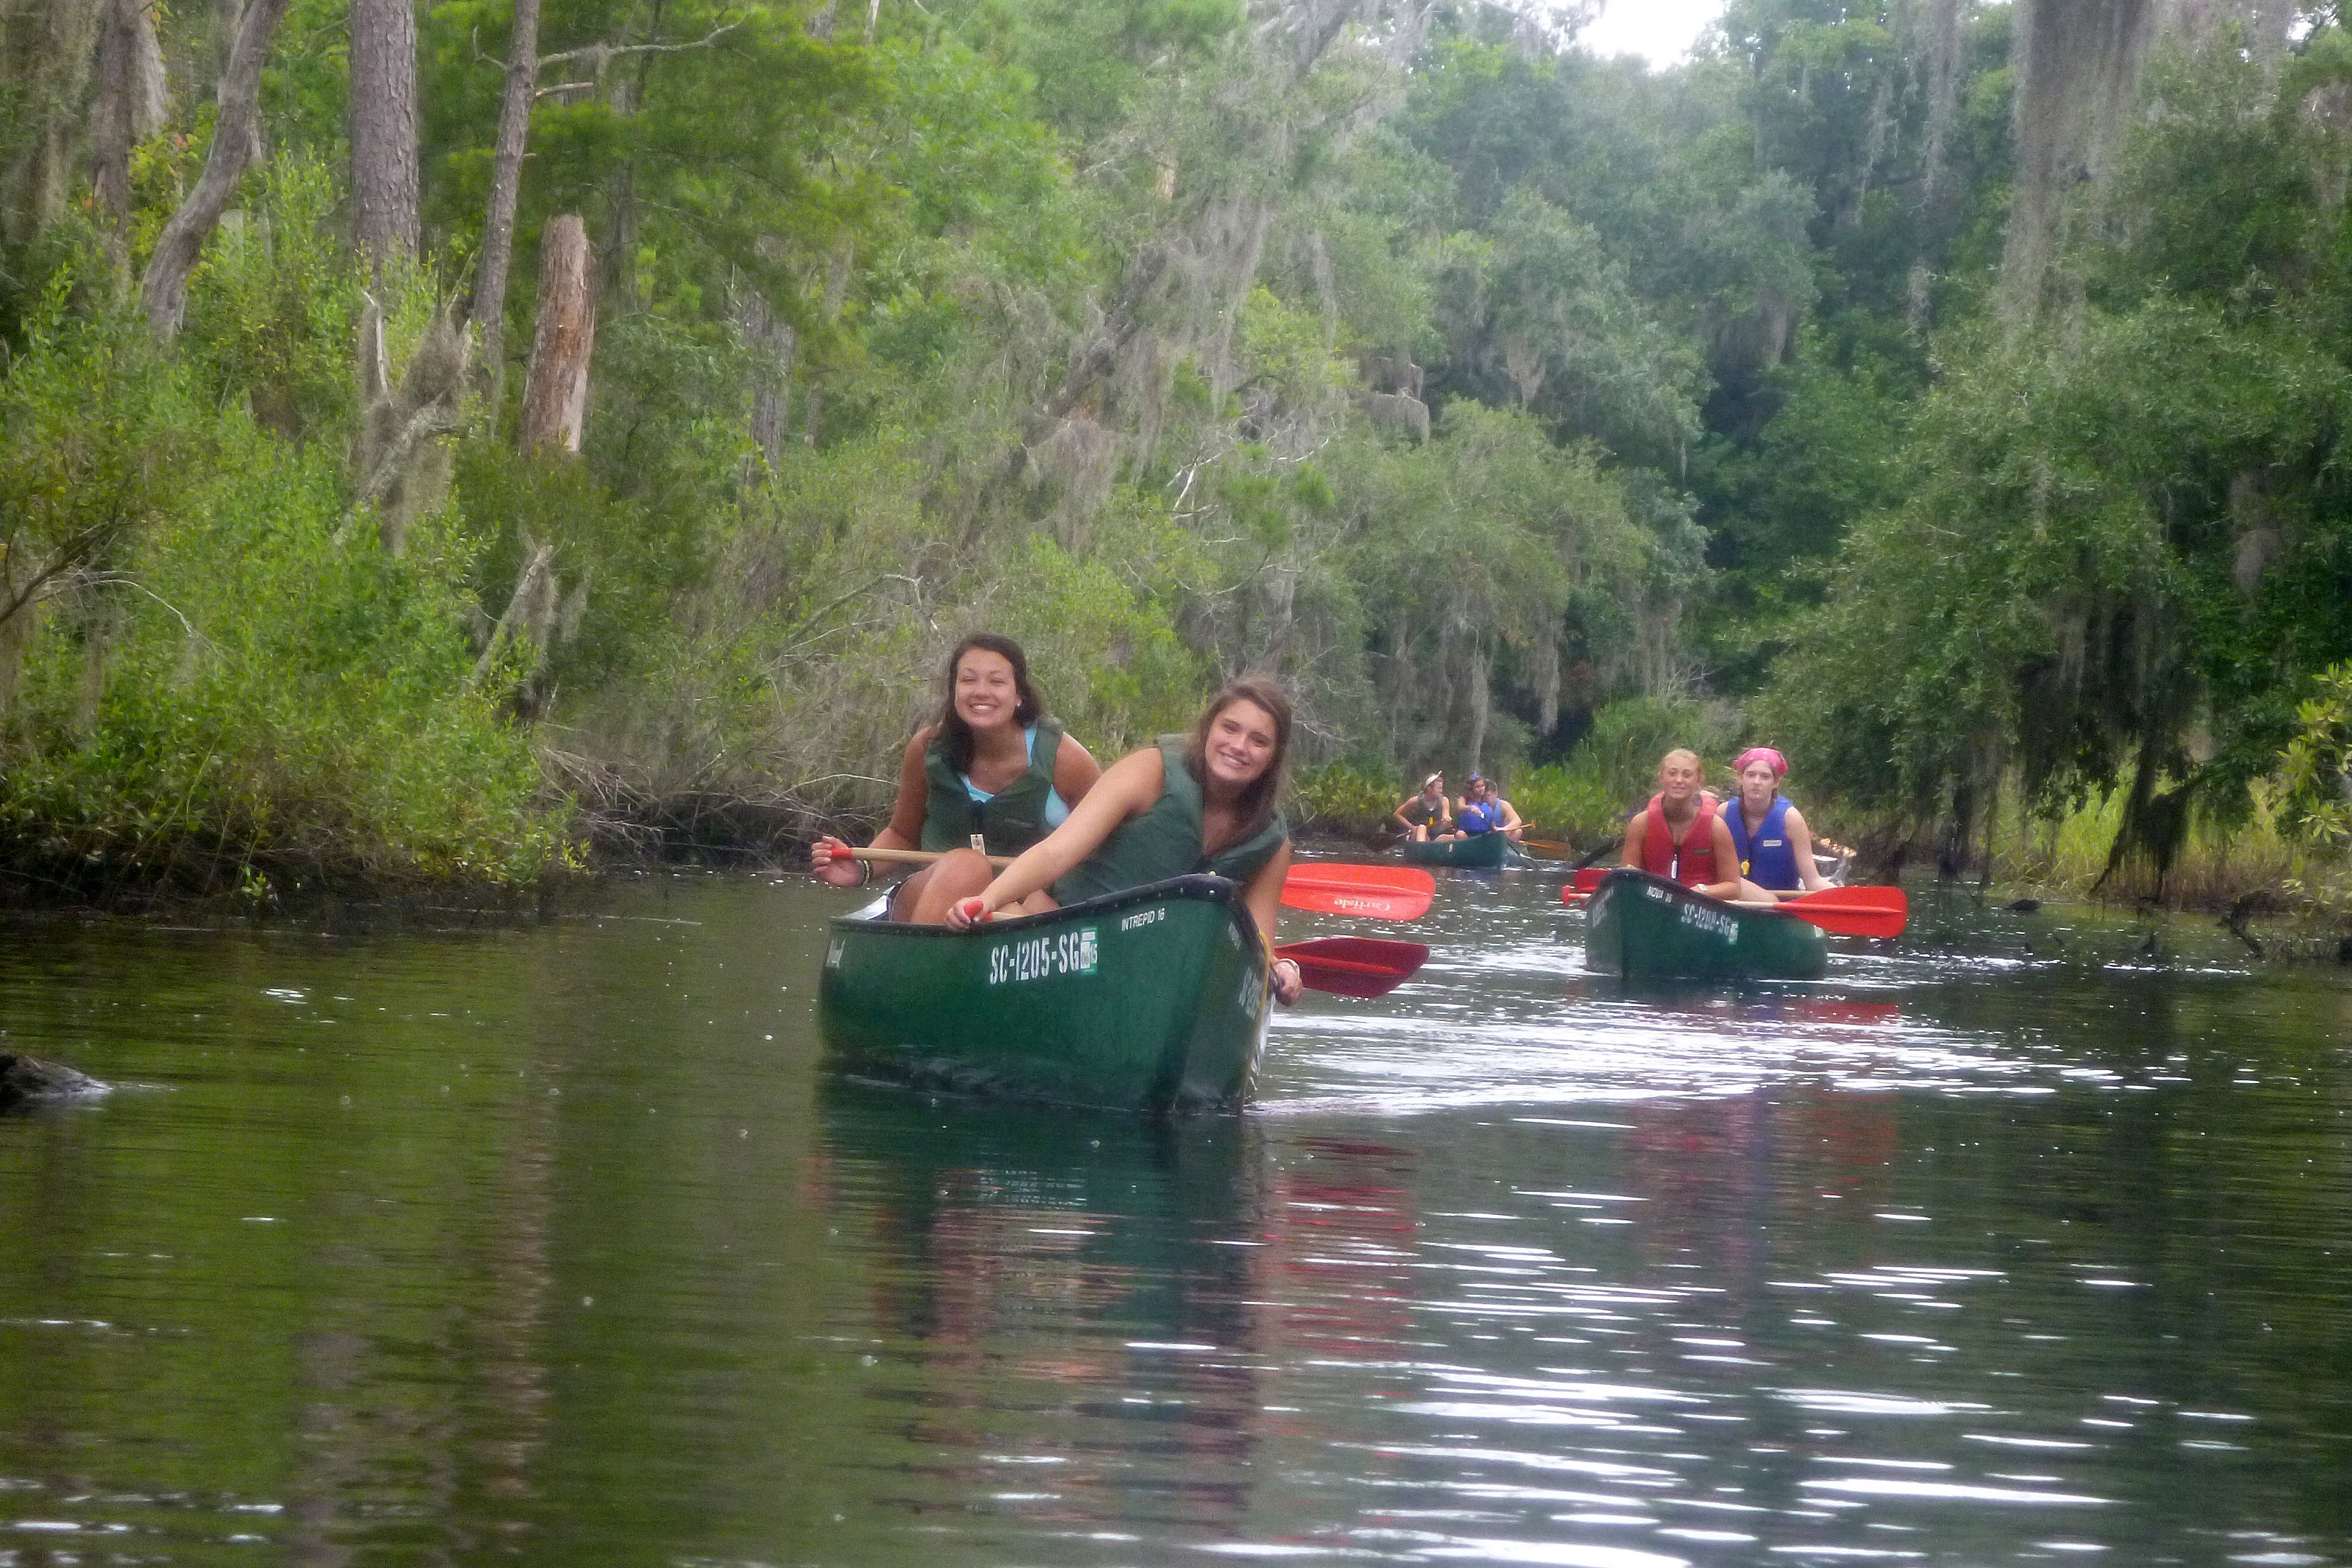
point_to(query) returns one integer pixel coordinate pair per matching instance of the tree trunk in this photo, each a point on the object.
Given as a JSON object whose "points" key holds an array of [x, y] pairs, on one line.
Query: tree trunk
{"points": [[837, 285], [506, 193], [1481, 700], [774, 345], [129, 103], [619, 280], [47, 86], [164, 292], [383, 130], [555, 391]]}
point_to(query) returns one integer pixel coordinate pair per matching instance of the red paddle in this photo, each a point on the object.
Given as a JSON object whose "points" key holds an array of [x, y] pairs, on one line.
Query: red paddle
{"points": [[1355, 965], [1384, 892], [1849, 912]]}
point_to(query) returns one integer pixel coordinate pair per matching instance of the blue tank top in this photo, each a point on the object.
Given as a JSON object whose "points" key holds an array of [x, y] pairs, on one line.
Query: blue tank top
{"points": [[1767, 859], [1057, 810], [1481, 816]]}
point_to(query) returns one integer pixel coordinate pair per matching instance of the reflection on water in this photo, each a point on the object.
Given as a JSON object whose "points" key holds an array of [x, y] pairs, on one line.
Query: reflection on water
{"points": [[556, 1245]]}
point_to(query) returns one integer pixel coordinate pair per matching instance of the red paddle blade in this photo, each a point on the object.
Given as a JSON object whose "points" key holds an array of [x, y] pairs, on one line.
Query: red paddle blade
{"points": [[1347, 899], [1383, 892], [1854, 912], [1355, 965], [1589, 878], [1341, 874]]}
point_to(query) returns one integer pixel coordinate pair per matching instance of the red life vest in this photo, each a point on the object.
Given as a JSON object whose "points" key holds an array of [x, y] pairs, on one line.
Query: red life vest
{"points": [[1694, 864]]}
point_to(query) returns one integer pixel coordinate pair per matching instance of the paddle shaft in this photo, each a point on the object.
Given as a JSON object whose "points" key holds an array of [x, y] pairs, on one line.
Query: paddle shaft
{"points": [[909, 856]]}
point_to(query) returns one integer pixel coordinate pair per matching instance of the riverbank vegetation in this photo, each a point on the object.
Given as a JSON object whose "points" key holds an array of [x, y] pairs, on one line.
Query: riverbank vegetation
{"points": [[455, 442]]}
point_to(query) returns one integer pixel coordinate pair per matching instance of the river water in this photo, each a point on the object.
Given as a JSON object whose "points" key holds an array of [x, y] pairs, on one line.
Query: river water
{"points": [[2026, 1239]]}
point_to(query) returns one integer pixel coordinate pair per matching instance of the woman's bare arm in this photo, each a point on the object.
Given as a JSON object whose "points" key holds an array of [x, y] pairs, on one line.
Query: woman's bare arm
{"points": [[1727, 857], [1264, 897], [1801, 845], [1075, 771]]}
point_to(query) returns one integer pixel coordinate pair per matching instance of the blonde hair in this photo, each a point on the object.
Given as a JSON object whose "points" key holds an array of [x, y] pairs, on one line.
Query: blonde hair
{"points": [[1682, 753]]}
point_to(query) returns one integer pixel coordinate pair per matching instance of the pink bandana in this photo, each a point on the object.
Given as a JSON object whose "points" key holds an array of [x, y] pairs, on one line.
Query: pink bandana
{"points": [[1780, 764]]}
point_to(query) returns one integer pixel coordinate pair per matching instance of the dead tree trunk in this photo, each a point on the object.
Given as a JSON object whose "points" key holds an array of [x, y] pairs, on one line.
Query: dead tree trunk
{"points": [[163, 292], [383, 130], [555, 391], [506, 193]]}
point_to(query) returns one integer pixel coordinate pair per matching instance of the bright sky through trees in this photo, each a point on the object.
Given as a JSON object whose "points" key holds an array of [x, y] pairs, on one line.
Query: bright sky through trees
{"points": [[1660, 31]]}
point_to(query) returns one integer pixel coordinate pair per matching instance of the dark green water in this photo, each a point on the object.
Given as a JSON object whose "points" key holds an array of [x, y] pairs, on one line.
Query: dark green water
{"points": [[554, 1244]]}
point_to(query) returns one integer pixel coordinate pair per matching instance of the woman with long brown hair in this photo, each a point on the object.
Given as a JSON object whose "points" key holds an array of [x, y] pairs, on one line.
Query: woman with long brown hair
{"points": [[994, 763], [1204, 802]]}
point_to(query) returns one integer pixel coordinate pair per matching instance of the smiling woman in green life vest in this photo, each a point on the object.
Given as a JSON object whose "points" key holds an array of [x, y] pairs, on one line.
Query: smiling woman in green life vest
{"points": [[994, 763], [1203, 801], [1769, 836], [1681, 836]]}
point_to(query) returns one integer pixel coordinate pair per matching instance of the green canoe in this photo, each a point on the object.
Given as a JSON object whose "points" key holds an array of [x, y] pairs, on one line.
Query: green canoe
{"points": [[1646, 928], [1151, 999], [1481, 852]]}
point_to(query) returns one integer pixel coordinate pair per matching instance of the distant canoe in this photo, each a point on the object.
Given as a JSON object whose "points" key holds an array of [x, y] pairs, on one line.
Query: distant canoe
{"points": [[1646, 928], [1150, 999], [1480, 852]]}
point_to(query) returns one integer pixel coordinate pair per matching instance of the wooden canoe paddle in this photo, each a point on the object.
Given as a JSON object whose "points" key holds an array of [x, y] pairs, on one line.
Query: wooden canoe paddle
{"points": [[1355, 965], [911, 856]]}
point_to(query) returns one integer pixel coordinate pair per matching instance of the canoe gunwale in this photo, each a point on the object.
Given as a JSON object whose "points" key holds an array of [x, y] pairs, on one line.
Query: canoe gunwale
{"points": [[1463, 854], [872, 921]]}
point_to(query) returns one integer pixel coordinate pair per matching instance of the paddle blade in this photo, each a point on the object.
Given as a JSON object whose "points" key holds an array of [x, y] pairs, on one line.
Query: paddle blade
{"points": [[1346, 899], [1546, 848], [1355, 965], [1854, 912], [1344, 874], [1583, 885], [1383, 892]]}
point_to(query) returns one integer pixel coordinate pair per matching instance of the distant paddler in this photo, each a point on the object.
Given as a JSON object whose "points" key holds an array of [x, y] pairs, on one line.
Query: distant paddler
{"points": [[1425, 815], [1768, 832], [994, 763], [1681, 836], [1484, 810], [1201, 803]]}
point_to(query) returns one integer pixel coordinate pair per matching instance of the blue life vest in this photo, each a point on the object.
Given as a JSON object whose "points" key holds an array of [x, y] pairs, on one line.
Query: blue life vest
{"points": [[1482, 816], [1767, 859]]}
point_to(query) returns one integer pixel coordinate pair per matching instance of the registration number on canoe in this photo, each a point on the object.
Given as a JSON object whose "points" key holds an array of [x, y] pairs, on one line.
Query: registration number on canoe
{"points": [[1715, 923], [1042, 957]]}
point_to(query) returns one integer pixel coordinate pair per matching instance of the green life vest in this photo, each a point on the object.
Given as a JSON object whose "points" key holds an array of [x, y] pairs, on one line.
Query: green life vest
{"points": [[1010, 820], [1165, 841]]}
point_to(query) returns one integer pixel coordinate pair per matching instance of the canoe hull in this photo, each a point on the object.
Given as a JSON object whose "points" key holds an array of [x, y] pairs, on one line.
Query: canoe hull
{"points": [[1151, 999], [1482, 852], [1646, 928]]}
